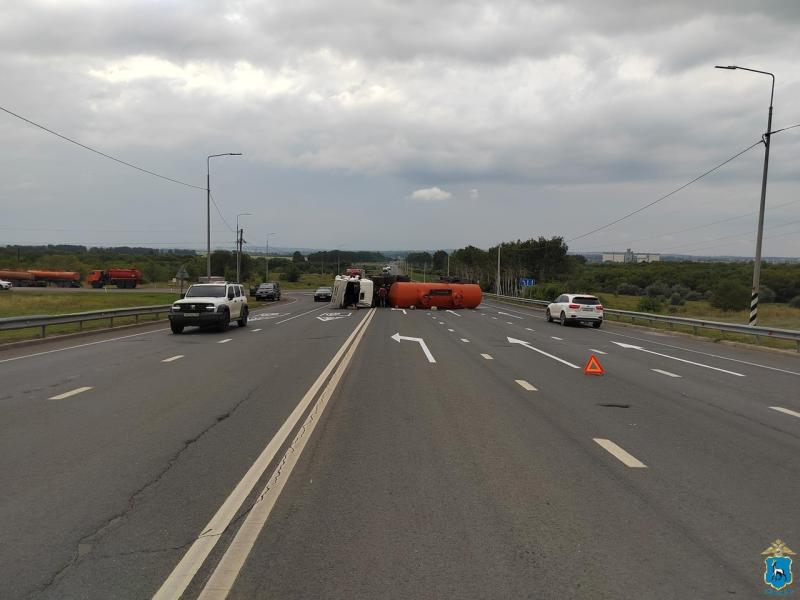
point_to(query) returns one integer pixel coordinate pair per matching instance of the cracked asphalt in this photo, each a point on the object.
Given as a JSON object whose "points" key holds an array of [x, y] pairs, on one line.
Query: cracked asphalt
{"points": [[495, 472]]}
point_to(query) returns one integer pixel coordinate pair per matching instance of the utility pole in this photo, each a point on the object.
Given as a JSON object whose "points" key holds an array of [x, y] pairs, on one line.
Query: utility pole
{"points": [[239, 242], [266, 257], [448, 265], [760, 235], [208, 207]]}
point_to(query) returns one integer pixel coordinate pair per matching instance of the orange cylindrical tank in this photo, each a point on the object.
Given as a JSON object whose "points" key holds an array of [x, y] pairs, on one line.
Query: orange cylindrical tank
{"points": [[441, 295], [55, 275]]}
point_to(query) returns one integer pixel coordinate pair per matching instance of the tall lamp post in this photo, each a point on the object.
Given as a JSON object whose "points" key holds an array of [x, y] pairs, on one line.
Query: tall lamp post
{"points": [[239, 242], [208, 207], [266, 257], [759, 236]]}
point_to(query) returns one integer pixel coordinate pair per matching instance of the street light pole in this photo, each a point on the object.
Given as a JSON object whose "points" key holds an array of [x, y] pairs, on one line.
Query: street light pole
{"points": [[760, 235], [266, 257], [239, 240], [208, 207], [497, 286]]}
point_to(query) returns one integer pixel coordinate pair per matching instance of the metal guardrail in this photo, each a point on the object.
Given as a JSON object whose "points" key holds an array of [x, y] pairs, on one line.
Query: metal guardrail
{"points": [[695, 324], [11, 323]]}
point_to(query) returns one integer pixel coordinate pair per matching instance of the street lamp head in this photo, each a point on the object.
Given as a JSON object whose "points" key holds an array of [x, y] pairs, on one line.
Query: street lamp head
{"points": [[731, 67], [234, 153]]}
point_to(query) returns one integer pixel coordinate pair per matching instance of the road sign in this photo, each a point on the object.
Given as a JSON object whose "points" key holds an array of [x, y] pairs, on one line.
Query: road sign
{"points": [[593, 367], [182, 274], [527, 282]]}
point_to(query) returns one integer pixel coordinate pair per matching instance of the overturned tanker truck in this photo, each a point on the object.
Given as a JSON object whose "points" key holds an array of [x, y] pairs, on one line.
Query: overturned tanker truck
{"points": [[403, 293]]}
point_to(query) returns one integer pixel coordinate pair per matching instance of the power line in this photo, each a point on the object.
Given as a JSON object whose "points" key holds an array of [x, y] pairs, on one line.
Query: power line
{"points": [[727, 237], [219, 212], [664, 197], [103, 154]]}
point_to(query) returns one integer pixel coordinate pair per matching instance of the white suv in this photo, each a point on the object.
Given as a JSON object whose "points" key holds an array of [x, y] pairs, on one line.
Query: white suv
{"points": [[576, 308], [214, 304]]}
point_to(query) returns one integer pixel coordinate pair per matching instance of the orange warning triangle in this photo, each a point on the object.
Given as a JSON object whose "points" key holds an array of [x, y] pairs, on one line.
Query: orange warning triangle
{"points": [[593, 367]]}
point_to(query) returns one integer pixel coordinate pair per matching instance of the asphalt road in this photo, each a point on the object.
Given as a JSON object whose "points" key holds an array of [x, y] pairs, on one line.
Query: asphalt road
{"points": [[313, 455]]}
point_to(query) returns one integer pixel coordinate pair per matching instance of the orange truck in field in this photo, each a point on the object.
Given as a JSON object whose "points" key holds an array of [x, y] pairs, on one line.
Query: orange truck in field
{"points": [[41, 278], [122, 278]]}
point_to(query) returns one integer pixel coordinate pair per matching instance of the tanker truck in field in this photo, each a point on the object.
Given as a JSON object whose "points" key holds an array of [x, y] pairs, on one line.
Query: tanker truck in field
{"points": [[122, 278]]}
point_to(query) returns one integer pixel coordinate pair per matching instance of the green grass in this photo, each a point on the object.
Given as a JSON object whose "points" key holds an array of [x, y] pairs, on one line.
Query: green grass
{"points": [[15, 304], [308, 281]]}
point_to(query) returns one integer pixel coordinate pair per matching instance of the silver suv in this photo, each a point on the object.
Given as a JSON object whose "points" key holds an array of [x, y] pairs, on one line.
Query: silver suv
{"points": [[215, 304]]}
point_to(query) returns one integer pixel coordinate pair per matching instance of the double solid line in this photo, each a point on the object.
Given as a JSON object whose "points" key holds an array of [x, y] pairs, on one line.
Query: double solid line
{"points": [[227, 570]]}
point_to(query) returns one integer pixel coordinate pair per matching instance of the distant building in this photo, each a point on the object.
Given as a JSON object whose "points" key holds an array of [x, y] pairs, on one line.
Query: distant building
{"points": [[630, 257]]}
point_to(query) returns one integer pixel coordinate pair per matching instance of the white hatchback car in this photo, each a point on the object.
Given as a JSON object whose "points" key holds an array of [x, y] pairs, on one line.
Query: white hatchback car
{"points": [[576, 308]]}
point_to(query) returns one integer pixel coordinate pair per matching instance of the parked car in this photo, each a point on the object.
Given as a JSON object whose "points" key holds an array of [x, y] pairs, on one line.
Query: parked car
{"points": [[5, 285], [576, 308], [323, 294], [269, 291], [214, 304]]}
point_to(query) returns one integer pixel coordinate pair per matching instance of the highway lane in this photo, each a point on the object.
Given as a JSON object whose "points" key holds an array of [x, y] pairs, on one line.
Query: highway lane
{"points": [[493, 472], [107, 476], [457, 481]]}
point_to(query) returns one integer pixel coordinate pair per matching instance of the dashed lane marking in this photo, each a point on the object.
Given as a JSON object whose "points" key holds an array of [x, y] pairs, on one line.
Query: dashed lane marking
{"points": [[596, 351], [510, 322], [452, 312], [621, 455], [667, 373], [302, 314], [487, 356], [529, 329], [441, 322], [451, 330], [557, 338], [525, 385], [255, 330], [173, 358], [79, 390], [225, 341], [465, 340], [786, 411]]}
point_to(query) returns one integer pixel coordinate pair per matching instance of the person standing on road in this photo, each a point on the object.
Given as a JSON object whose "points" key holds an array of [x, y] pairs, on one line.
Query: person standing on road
{"points": [[382, 296]]}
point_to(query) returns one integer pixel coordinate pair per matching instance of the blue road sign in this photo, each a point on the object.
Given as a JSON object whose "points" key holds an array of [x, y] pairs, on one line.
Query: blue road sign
{"points": [[527, 282]]}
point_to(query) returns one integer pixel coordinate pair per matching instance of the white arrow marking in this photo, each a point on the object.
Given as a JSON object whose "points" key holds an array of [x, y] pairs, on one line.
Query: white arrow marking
{"points": [[403, 309], [397, 337], [508, 315], [683, 360], [452, 312], [333, 316], [529, 347]]}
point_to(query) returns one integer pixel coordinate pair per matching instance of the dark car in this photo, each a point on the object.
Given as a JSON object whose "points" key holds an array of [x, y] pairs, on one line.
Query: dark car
{"points": [[269, 291], [323, 294]]}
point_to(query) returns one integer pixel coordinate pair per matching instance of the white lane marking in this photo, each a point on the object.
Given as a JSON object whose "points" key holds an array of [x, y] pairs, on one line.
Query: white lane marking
{"points": [[487, 356], [510, 322], [529, 347], [505, 307], [683, 360], [621, 455], [786, 411], [466, 341], [451, 330], [397, 337], [172, 358], [187, 568], [508, 315], [736, 360], [403, 309], [495, 318], [225, 341], [230, 565], [302, 314], [324, 317], [124, 337], [79, 390], [441, 322], [667, 373], [596, 351], [529, 329], [452, 312], [255, 330], [557, 338], [525, 385]]}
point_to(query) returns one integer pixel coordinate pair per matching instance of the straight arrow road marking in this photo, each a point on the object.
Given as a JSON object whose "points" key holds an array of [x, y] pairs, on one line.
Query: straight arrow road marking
{"points": [[525, 385], [397, 337], [79, 390], [333, 316], [786, 411], [452, 312], [172, 358], [667, 373], [487, 356], [683, 360], [620, 454], [529, 347]]}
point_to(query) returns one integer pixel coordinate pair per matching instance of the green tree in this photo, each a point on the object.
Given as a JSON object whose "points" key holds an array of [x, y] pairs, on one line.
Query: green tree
{"points": [[730, 295]]}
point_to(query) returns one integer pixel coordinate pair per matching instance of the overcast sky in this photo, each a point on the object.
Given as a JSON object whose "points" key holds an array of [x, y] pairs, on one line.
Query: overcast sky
{"points": [[399, 125]]}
